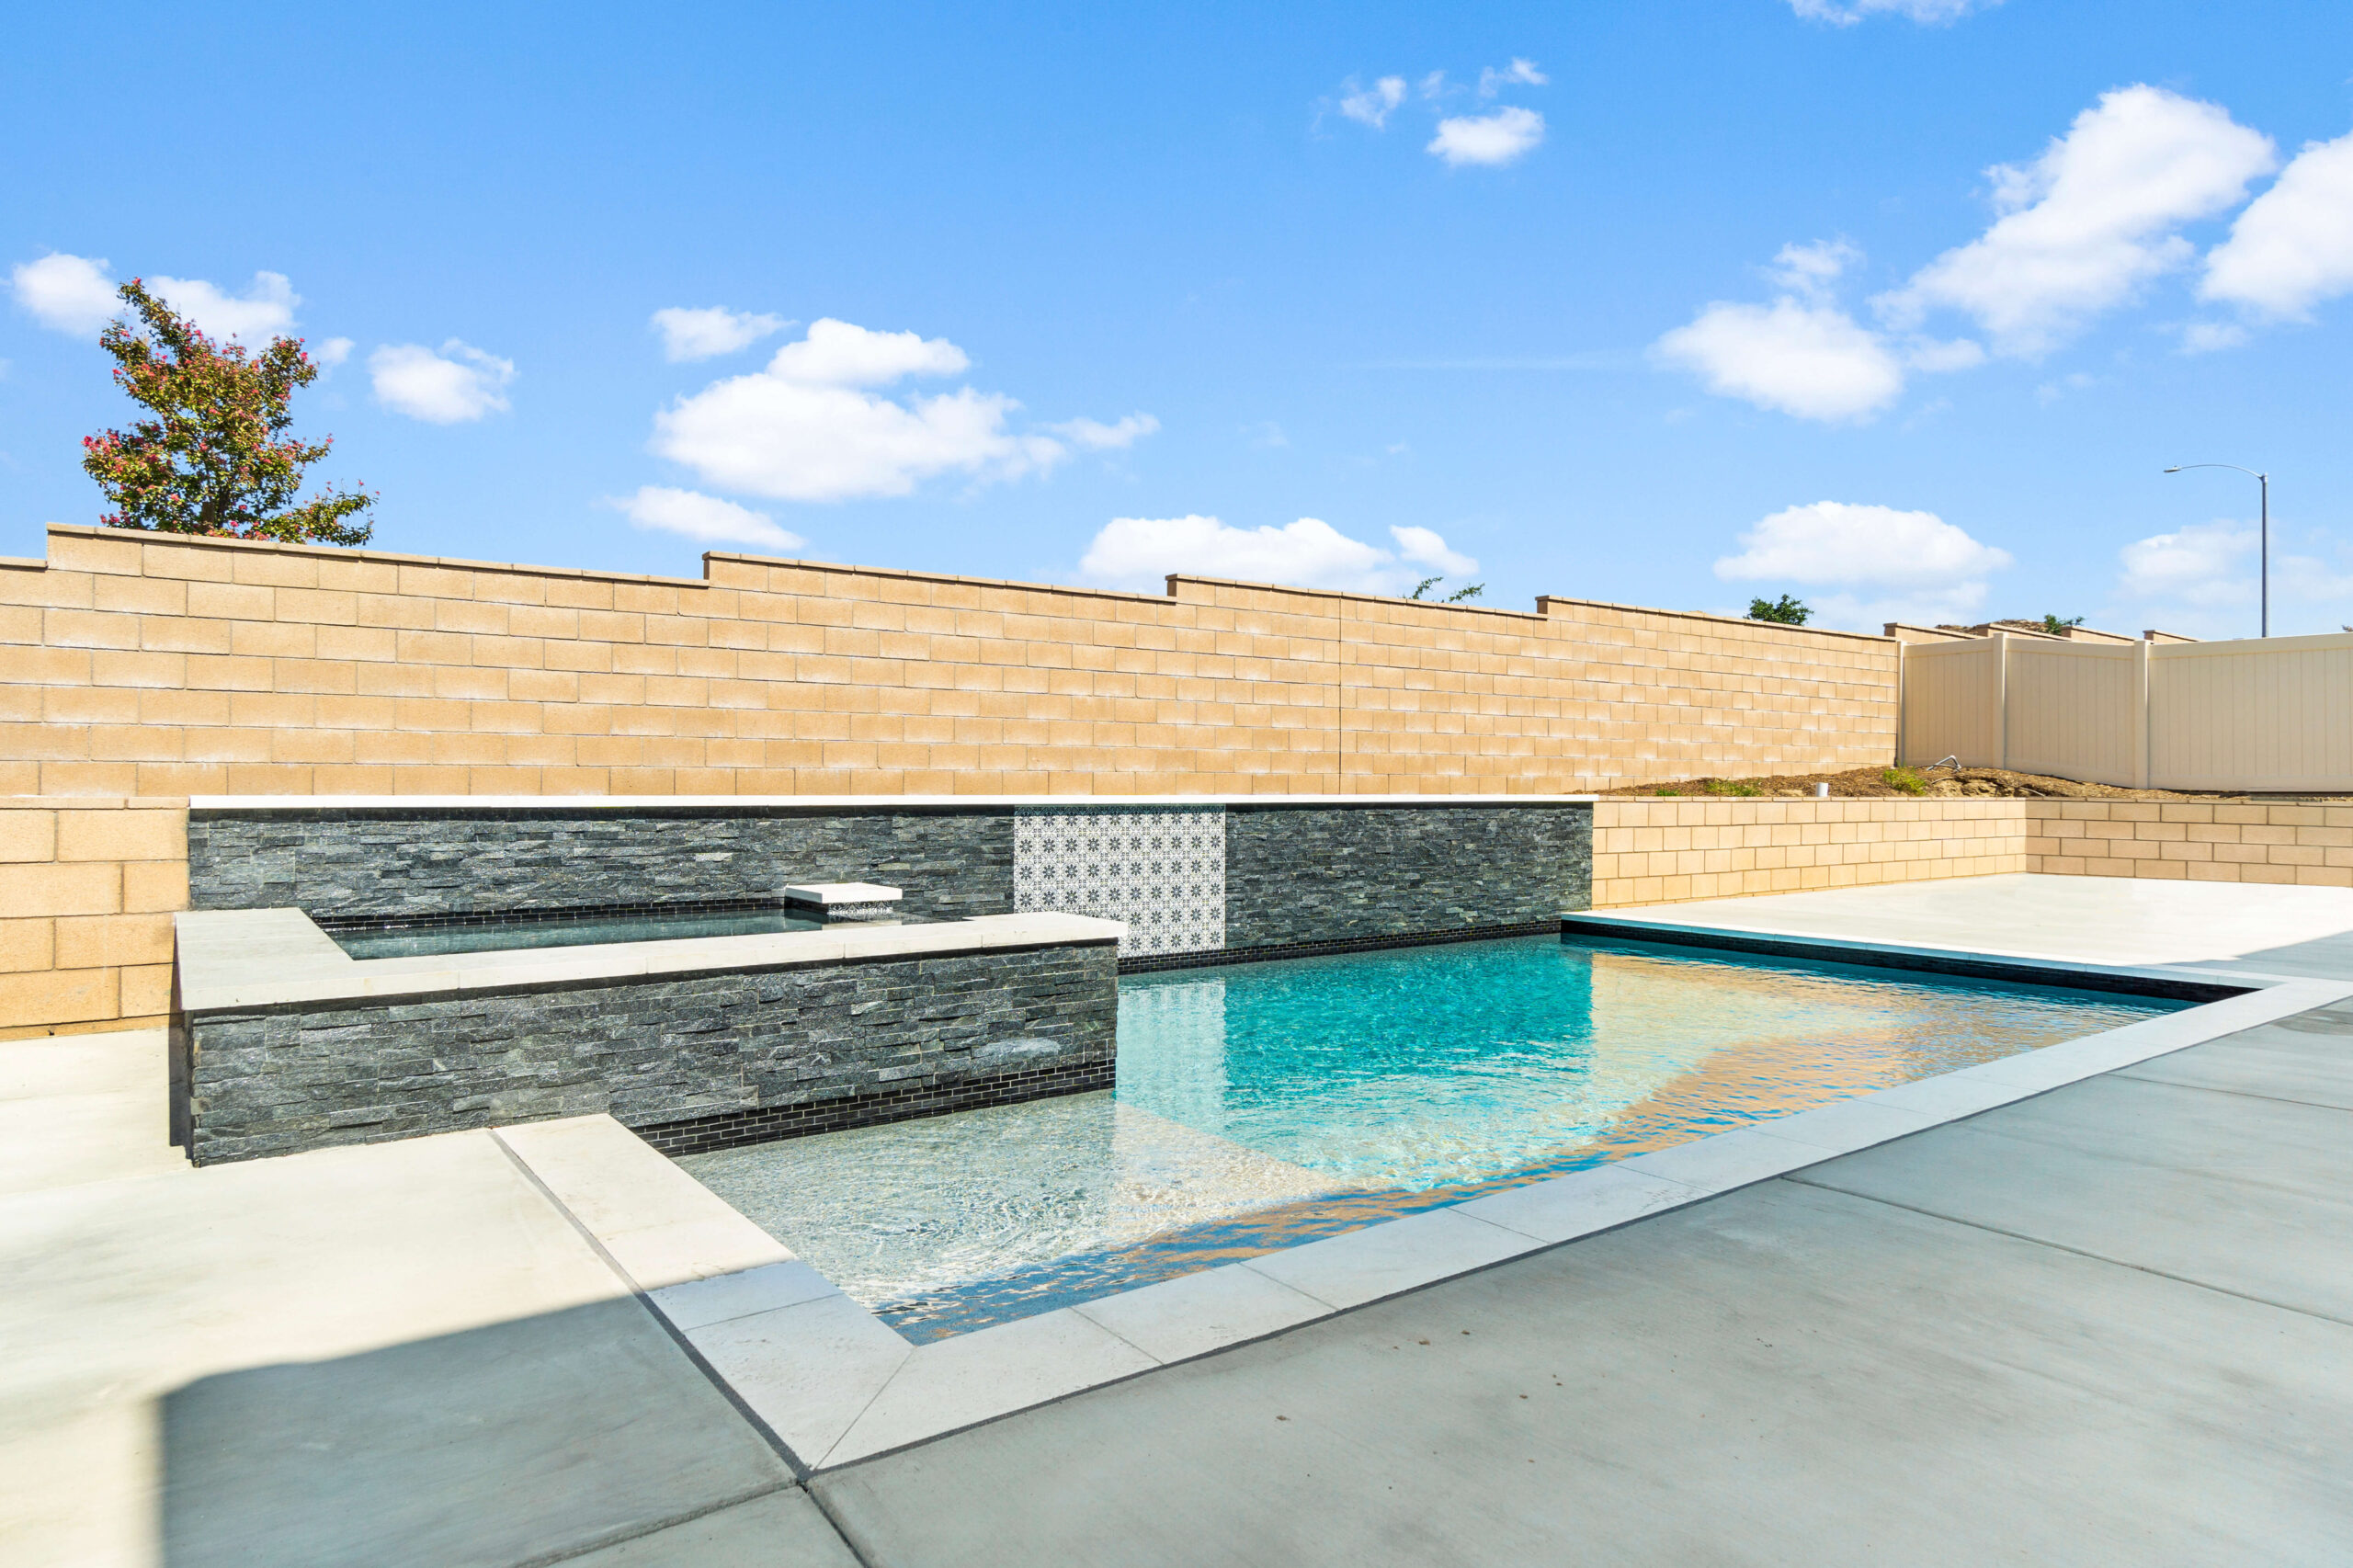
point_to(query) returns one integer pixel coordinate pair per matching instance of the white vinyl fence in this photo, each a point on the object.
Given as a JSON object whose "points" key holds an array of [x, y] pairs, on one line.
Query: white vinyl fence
{"points": [[2262, 714]]}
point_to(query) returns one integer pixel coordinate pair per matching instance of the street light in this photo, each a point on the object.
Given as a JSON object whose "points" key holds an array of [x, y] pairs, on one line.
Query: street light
{"points": [[2263, 480]]}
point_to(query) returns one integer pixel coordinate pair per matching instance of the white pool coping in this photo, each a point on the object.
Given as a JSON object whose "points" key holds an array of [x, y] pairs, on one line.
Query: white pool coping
{"points": [[835, 1384], [235, 959], [543, 806]]}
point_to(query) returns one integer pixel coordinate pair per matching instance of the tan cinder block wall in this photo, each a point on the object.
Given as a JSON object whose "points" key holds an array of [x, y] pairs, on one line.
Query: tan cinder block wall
{"points": [[2194, 841], [138, 665], [87, 889], [1662, 851]]}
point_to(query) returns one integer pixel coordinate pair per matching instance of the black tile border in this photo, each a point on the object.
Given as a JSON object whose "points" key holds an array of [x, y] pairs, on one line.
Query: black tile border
{"points": [[569, 808], [335, 924], [1149, 963], [2055, 976], [769, 1124]]}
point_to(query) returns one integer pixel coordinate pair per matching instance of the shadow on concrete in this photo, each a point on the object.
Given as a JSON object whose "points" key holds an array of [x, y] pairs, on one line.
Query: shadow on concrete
{"points": [[519, 1442]]}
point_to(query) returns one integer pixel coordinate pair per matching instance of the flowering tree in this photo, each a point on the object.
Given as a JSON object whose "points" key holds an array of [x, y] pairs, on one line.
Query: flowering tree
{"points": [[215, 459]]}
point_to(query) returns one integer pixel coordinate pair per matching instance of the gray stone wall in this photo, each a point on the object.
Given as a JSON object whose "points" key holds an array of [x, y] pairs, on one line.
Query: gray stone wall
{"points": [[389, 861], [1330, 873], [647, 1052]]}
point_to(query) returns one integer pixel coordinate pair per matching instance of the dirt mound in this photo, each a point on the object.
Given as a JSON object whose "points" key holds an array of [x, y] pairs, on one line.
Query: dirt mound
{"points": [[1913, 783]]}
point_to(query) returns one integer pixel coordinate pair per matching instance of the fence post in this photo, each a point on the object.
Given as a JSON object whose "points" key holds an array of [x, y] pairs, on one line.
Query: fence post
{"points": [[2002, 699], [1903, 706], [2141, 714]]}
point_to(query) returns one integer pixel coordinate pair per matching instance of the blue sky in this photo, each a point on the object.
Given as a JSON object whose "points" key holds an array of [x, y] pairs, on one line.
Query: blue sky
{"points": [[1900, 307]]}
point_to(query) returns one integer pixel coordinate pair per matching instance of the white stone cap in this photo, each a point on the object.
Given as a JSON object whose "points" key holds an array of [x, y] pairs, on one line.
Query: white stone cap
{"points": [[880, 803], [264, 957], [831, 893]]}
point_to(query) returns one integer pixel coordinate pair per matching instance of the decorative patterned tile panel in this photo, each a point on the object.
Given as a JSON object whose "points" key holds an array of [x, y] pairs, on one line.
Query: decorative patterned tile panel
{"points": [[1160, 869]]}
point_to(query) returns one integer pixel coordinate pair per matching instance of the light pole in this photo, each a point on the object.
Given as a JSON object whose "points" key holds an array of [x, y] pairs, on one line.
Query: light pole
{"points": [[2263, 480]]}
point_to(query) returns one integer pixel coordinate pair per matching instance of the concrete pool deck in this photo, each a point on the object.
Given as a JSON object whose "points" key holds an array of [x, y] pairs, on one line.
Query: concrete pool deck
{"points": [[2113, 1320]]}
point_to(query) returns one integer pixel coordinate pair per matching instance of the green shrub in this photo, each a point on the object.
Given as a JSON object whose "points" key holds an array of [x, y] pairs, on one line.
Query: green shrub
{"points": [[1903, 779], [1730, 786]]}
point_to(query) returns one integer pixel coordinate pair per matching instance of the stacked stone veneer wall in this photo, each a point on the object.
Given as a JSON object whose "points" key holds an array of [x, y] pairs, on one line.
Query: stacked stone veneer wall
{"points": [[695, 1062], [426, 860], [1281, 874], [168, 667], [1311, 875]]}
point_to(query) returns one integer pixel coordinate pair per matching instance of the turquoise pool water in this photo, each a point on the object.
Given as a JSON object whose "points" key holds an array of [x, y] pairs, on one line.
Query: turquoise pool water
{"points": [[1263, 1105]]}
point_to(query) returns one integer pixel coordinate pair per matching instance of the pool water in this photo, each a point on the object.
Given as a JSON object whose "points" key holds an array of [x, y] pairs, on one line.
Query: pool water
{"points": [[561, 931], [1259, 1106]]}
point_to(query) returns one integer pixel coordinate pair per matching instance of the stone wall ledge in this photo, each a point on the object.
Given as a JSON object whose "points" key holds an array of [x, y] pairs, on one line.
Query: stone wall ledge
{"points": [[246, 961], [211, 806]]}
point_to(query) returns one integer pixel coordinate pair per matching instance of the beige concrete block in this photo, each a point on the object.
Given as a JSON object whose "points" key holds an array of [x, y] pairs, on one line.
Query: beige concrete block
{"points": [[27, 833], [28, 945], [59, 996], [144, 991], [111, 940], [118, 836], [30, 890]]}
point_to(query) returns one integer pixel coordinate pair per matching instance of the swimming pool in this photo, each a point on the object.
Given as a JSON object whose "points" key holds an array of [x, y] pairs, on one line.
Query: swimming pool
{"points": [[1259, 1106]]}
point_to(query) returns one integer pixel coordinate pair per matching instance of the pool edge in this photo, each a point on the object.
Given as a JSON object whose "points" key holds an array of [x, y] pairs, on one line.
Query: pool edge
{"points": [[844, 1388]]}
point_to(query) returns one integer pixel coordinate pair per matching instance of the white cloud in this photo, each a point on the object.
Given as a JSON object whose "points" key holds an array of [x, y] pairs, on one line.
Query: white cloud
{"points": [[1961, 353], [1810, 270], [1835, 543], [703, 334], [450, 387], [1094, 435], [1927, 13], [2091, 220], [1518, 73], [333, 352], [266, 310], [1425, 547], [1139, 552], [2197, 565], [836, 354], [1811, 360], [1490, 140], [705, 518], [1372, 106], [72, 293], [1908, 565], [2294, 245], [65, 293], [2209, 336], [2201, 580], [806, 429]]}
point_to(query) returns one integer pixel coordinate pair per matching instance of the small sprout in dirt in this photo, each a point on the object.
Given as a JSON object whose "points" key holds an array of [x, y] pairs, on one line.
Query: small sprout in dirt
{"points": [[1670, 793], [1730, 786], [1903, 779]]}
